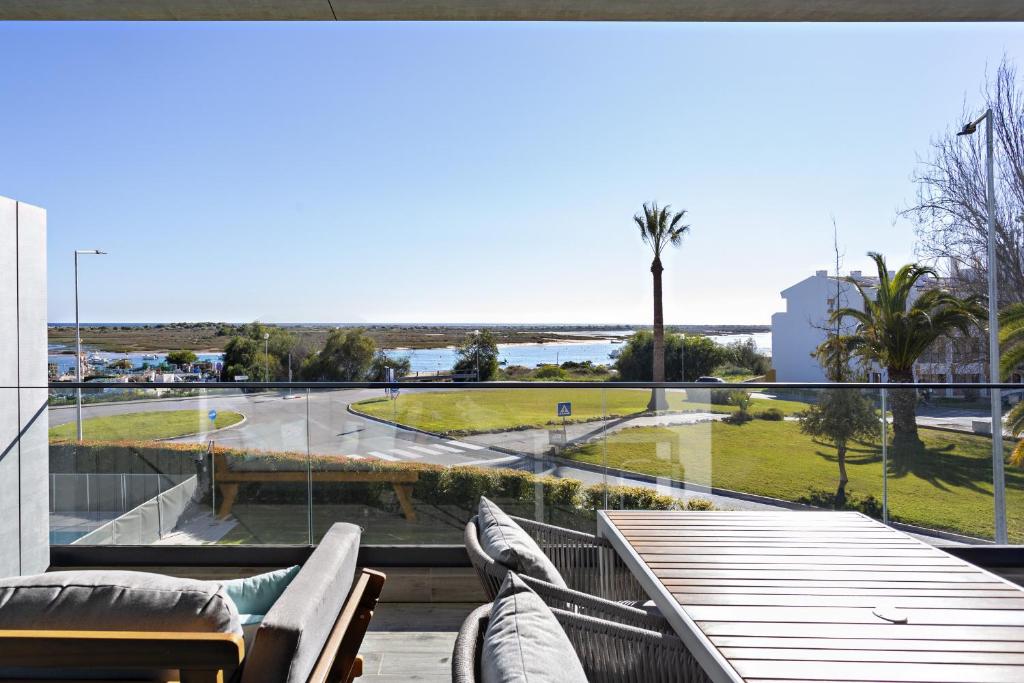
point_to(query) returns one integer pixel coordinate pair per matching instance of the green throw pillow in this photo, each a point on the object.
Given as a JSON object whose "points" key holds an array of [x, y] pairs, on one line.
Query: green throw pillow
{"points": [[255, 595]]}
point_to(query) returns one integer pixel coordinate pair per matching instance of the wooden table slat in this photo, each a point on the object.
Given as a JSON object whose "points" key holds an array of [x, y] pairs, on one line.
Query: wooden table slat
{"points": [[853, 615], [874, 655], [887, 586], [880, 671], [867, 644], [891, 631], [850, 600]]}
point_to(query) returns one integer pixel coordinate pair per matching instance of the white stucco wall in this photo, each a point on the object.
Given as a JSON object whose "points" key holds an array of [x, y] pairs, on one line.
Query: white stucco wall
{"points": [[800, 329]]}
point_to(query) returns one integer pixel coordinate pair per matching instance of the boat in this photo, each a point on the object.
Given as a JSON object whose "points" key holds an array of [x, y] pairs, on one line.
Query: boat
{"points": [[150, 356], [96, 359]]}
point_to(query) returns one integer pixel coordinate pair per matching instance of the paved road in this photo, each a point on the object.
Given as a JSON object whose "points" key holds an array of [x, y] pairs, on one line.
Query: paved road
{"points": [[277, 422]]}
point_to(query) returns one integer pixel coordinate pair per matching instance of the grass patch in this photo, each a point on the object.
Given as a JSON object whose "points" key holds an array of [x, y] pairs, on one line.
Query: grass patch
{"points": [[491, 410], [142, 426], [946, 484]]}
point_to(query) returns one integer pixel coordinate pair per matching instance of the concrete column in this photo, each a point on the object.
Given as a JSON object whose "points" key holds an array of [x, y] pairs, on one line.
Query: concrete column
{"points": [[24, 451]]}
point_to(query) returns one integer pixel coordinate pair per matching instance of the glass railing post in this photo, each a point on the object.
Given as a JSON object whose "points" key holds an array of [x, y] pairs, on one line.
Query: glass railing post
{"points": [[604, 444], [998, 475], [309, 477], [885, 462]]}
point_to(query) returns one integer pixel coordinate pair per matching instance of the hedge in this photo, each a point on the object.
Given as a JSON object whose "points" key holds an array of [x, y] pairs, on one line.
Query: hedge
{"points": [[454, 490]]}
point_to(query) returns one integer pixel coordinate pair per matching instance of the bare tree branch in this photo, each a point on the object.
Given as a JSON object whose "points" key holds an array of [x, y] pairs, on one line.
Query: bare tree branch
{"points": [[950, 217]]}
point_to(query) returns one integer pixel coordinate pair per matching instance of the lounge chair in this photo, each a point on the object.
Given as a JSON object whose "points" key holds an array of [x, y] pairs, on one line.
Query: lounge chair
{"points": [[310, 634]]}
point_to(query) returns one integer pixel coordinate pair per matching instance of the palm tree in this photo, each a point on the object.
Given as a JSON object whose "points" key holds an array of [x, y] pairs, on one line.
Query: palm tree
{"points": [[894, 331], [659, 228], [1011, 339]]}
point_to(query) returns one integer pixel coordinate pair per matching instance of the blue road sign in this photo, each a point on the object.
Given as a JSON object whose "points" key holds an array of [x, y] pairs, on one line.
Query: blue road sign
{"points": [[564, 409], [212, 415]]}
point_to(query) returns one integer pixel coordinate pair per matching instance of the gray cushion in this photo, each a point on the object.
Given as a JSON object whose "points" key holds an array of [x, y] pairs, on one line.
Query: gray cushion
{"points": [[115, 601], [293, 633], [524, 643], [506, 543]]}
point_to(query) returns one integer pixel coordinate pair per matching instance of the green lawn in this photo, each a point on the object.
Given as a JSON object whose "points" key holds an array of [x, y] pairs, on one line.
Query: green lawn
{"points": [[489, 410], [946, 485], [143, 426]]}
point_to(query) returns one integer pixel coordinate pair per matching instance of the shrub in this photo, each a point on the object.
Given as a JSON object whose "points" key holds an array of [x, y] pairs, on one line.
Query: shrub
{"points": [[740, 399], [738, 418], [549, 372], [772, 414], [512, 371], [624, 498], [718, 397], [699, 504], [692, 356], [869, 505]]}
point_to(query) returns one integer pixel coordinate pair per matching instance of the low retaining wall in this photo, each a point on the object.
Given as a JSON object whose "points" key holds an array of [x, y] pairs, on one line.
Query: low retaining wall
{"points": [[147, 523]]}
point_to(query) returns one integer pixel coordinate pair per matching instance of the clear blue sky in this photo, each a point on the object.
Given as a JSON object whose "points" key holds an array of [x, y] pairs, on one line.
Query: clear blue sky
{"points": [[468, 172]]}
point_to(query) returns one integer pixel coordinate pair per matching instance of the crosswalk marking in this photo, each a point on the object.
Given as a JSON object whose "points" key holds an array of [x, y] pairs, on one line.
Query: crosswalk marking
{"points": [[407, 454], [463, 444], [382, 456], [424, 450], [416, 451]]}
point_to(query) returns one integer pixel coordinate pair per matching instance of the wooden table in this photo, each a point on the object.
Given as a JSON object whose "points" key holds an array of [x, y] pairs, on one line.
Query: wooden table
{"points": [[801, 596]]}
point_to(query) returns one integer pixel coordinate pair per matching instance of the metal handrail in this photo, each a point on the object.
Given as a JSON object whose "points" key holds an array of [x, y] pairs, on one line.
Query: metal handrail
{"points": [[970, 386]]}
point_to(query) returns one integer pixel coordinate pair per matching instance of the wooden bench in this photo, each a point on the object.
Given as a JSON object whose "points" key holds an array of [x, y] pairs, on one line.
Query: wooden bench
{"points": [[228, 480]]}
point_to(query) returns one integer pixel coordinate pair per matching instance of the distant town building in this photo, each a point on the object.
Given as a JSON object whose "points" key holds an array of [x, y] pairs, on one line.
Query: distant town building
{"points": [[803, 326]]}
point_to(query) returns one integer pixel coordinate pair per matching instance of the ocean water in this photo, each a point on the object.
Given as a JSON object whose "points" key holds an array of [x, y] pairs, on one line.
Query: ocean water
{"points": [[532, 355], [66, 361], [433, 360]]}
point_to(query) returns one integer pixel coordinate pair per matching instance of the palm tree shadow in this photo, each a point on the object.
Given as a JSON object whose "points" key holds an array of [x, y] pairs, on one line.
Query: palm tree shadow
{"points": [[944, 467]]}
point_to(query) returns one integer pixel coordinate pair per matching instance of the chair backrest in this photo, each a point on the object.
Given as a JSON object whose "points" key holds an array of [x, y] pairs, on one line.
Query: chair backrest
{"points": [[491, 573]]}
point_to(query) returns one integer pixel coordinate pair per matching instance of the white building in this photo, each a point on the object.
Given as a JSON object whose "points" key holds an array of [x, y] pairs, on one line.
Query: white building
{"points": [[802, 327]]}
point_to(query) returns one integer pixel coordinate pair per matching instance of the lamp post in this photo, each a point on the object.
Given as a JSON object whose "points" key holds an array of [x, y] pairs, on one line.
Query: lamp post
{"points": [[78, 341], [998, 476], [476, 333], [266, 356]]}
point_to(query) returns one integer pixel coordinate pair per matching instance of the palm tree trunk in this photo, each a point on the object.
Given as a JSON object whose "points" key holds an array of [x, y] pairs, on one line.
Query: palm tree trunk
{"points": [[840, 501], [904, 410], [658, 401]]}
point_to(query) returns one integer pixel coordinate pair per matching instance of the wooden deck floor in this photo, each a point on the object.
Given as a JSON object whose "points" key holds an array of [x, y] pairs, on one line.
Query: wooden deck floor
{"points": [[412, 642]]}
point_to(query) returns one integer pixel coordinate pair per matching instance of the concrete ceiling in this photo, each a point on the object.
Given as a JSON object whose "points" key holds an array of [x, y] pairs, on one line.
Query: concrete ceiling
{"points": [[516, 10]]}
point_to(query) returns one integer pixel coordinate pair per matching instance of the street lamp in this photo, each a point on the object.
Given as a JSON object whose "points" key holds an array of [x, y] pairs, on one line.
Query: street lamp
{"points": [[266, 356], [998, 477], [476, 333], [78, 340]]}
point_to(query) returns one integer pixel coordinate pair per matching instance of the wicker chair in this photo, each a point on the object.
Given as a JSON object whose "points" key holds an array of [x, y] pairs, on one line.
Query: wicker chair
{"points": [[599, 583], [609, 652]]}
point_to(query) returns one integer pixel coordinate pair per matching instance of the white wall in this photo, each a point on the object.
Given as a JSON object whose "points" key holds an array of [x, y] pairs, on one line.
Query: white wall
{"points": [[24, 457], [796, 332], [801, 328]]}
